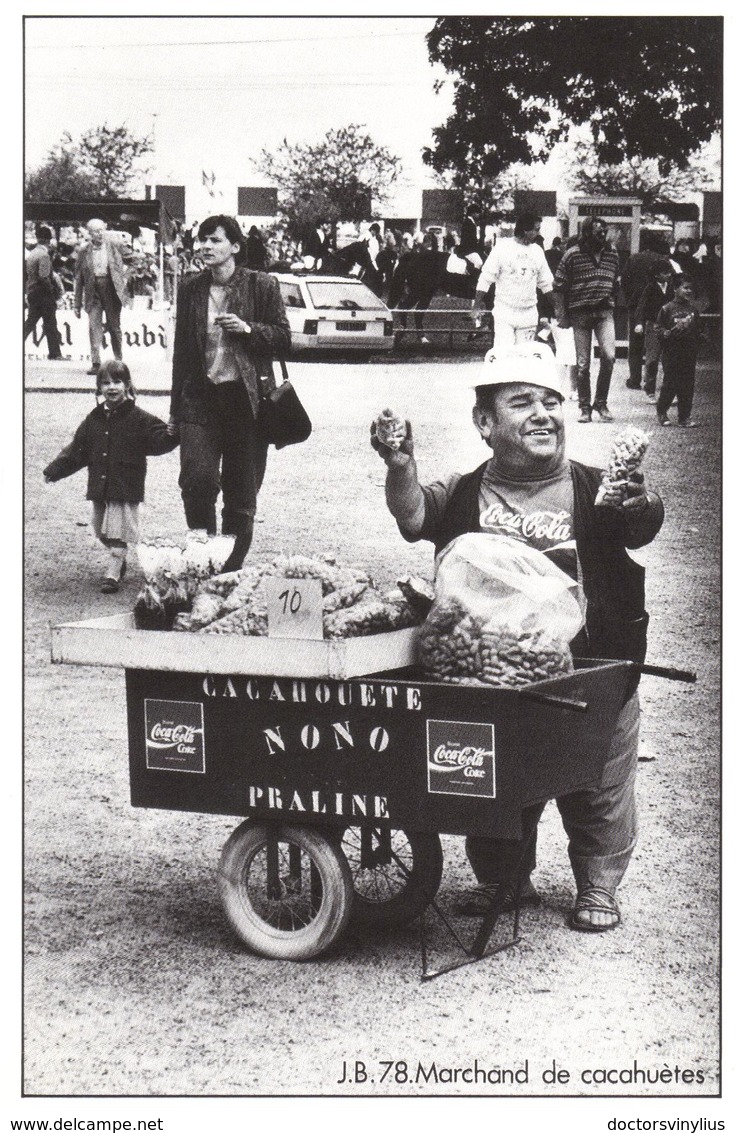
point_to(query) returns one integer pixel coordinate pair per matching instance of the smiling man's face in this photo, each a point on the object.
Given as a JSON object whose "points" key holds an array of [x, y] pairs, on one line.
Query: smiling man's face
{"points": [[525, 429]]}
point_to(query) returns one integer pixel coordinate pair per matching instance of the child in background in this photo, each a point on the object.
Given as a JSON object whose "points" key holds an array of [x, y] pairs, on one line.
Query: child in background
{"points": [[112, 443], [678, 324], [653, 298]]}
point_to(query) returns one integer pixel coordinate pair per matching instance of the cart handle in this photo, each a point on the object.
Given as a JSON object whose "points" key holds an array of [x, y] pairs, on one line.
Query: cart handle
{"points": [[555, 701], [670, 674]]}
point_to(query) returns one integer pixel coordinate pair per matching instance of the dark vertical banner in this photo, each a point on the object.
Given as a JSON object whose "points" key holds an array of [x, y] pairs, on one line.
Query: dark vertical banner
{"points": [[257, 200], [442, 206], [173, 197]]}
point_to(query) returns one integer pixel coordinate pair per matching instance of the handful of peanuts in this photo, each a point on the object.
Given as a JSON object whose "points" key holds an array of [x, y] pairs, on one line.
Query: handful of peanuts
{"points": [[390, 429]]}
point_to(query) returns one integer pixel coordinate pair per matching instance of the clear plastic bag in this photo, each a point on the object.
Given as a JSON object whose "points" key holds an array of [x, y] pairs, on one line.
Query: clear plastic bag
{"points": [[503, 614], [564, 339]]}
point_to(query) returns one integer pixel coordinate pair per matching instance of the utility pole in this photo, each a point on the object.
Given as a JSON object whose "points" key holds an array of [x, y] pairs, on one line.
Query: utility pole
{"points": [[154, 116]]}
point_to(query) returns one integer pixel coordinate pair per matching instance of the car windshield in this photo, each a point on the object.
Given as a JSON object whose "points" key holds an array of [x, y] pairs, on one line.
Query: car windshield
{"points": [[342, 296]]}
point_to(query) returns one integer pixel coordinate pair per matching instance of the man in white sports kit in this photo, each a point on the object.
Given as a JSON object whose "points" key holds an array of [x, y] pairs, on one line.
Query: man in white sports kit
{"points": [[518, 268]]}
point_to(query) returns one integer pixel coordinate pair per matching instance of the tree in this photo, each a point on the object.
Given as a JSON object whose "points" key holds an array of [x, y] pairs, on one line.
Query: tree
{"points": [[338, 179], [103, 163], [641, 178], [60, 179], [112, 153], [650, 88]]}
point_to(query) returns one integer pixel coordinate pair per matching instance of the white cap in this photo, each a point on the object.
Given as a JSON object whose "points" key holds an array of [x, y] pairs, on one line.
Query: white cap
{"points": [[531, 363]]}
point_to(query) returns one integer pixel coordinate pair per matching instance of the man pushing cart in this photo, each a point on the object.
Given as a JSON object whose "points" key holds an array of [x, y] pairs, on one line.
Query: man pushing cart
{"points": [[530, 491]]}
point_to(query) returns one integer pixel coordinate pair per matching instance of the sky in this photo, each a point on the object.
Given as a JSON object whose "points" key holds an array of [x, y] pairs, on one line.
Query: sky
{"points": [[214, 91]]}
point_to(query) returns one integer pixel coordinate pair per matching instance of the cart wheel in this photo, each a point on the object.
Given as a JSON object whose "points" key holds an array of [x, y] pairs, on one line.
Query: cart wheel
{"points": [[286, 890], [396, 873]]}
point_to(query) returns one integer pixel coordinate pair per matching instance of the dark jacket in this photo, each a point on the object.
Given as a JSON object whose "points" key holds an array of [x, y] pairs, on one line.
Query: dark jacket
{"points": [[651, 302], [638, 272], [678, 324], [469, 238], [113, 447], [256, 255], [253, 296], [315, 245], [418, 274], [616, 618]]}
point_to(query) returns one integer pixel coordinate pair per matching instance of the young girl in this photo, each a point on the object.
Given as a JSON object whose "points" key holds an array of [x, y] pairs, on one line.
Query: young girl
{"points": [[112, 444]]}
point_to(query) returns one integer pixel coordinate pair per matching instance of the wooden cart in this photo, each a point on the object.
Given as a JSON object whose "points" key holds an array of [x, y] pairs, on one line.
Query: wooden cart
{"points": [[345, 764]]}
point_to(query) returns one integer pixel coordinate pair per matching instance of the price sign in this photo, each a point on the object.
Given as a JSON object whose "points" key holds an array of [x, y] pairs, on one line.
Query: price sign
{"points": [[294, 607]]}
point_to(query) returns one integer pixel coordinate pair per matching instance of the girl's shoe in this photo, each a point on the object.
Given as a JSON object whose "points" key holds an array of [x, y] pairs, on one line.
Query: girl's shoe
{"points": [[689, 424], [663, 419], [110, 584]]}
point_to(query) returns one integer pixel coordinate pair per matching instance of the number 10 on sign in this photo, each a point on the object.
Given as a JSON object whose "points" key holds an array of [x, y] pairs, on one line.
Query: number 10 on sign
{"points": [[295, 608]]}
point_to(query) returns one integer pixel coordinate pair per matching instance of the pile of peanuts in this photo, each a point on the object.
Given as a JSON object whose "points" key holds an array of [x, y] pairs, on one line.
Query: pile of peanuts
{"points": [[459, 648], [352, 606], [371, 614]]}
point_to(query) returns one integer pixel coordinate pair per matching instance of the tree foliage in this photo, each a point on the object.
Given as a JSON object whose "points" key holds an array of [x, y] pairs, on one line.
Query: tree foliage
{"points": [[104, 162], [337, 179], [642, 178], [60, 179], [649, 87]]}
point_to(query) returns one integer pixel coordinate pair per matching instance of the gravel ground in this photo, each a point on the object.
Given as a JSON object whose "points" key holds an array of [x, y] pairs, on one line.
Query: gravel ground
{"points": [[134, 985]]}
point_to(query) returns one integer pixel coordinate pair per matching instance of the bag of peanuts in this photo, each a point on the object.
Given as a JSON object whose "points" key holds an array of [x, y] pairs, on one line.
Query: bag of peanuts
{"points": [[503, 615]]}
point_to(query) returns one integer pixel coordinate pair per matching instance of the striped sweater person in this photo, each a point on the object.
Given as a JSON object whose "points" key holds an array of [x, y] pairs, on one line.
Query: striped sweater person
{"points": [[584, 289]]}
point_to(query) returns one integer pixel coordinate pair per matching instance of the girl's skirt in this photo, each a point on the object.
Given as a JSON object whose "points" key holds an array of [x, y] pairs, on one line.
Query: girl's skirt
{"points": [[116, 521]]}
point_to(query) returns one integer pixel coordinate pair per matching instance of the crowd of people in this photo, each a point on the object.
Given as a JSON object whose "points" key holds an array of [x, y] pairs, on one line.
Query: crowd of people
{"points": [[520, 291], [231, 325]]}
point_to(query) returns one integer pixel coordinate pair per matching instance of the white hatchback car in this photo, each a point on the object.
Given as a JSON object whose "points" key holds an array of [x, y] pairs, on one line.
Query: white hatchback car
{"points": [[332, 312]]}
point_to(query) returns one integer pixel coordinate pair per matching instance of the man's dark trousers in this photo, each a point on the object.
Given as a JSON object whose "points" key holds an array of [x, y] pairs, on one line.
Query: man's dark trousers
{"points": [[42, 305], [636, 354], [678, 382], [106, 301]]}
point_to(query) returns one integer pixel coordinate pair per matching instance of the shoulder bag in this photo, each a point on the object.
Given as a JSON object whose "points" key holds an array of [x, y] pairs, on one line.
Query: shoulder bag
{"points": [[282, 418]]}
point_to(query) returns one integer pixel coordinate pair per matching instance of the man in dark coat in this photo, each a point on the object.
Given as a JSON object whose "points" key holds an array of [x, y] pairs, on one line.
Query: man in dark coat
{"points": [[639, 270], [415, 281], [315, 247], [256, 256], [40, 293], [470, 241], [230, 323]]}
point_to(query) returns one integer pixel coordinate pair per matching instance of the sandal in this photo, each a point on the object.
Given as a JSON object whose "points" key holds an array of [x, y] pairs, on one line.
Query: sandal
{"points": [[594, 900]]}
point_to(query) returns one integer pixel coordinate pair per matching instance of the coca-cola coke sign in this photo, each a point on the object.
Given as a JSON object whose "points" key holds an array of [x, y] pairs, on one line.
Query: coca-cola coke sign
{"points": [[174, 736], [461, 758]]}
